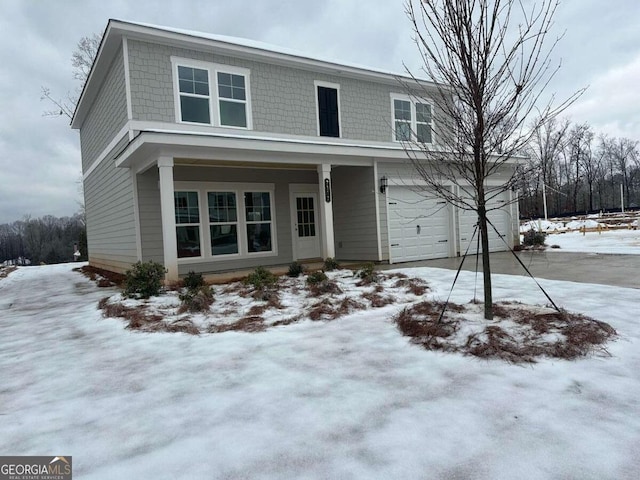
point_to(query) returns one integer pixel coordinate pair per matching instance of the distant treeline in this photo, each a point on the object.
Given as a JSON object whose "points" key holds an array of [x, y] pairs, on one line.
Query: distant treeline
{"points": [[43, 240], [583, 171]]}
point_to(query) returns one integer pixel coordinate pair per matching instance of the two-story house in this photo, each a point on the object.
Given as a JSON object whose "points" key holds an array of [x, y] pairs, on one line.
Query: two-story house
{"points": [[210, 153]]}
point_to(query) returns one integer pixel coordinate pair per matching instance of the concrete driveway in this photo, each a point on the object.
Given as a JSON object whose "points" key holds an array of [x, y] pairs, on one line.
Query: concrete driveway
{"points": [[607, 269]]}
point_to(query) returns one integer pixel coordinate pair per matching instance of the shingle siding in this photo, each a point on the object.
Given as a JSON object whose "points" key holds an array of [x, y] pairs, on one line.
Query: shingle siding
{"points": [[282, 98], [107, 115]]}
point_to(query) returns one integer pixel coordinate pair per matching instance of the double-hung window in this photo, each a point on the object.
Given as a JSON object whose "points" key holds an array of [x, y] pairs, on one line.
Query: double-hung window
{"points": [[211, 94], [412, 119], [187, 212], [232, 99], [193, 84], [223, 223], [258, 217]]}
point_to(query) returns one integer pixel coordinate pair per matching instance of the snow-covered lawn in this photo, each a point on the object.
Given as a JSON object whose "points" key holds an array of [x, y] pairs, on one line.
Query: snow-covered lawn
{"points": [[608, 241], [349, 398]]}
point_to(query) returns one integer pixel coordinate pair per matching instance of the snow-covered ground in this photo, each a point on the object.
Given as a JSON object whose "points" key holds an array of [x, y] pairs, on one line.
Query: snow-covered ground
{"points": [[349, 398], [608, 241]]}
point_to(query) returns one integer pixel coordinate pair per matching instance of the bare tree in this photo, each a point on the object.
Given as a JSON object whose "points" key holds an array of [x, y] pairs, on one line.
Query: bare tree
{"points": [[491, 63], [81, 61], [623, 154], [547, 142]]}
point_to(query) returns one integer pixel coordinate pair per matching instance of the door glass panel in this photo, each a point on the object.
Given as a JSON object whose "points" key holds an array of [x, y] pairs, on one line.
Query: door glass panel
{"points": [[306, 217]]}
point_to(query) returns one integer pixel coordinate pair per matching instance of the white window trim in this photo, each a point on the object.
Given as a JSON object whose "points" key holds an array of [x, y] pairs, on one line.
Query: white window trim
{"points": [[412, 101], [205, 233], [200, 229], [214, 101], [335, 86]]}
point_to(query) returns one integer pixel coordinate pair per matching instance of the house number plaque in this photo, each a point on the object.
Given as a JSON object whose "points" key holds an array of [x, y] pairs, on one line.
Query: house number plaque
{"points": [[327, 190]]}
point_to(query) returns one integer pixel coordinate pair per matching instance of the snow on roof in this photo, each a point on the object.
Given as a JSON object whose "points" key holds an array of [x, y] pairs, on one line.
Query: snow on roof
{"points": [[266, 47]]}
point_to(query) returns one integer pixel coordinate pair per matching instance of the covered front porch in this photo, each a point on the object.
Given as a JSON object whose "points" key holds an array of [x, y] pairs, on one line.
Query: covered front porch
{"points": [[212, 204], [216, 217]]}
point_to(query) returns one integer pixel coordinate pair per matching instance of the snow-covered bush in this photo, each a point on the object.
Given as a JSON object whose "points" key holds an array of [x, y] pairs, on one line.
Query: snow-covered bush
{"points": [[533, 238], [196, 299], [330, 264], [316, 277]]}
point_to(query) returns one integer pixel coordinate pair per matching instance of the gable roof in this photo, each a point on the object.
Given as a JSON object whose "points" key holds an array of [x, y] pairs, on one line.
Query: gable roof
{"points": [[116, 30]]}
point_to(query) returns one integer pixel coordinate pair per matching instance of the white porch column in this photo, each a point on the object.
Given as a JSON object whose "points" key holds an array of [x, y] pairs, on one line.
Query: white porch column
{"points": [[167, 208], [326, 211]]}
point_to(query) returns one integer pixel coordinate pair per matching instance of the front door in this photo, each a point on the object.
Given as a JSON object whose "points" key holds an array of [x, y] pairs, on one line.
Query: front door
{"points": [[306, 236]]}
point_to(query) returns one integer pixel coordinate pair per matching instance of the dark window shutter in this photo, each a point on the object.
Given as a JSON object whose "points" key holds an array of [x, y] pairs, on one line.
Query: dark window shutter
{"points": [[328, 112]]}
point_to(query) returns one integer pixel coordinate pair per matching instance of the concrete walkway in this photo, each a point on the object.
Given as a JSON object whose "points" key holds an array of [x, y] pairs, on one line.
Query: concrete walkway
{"points": [[607, 269]]}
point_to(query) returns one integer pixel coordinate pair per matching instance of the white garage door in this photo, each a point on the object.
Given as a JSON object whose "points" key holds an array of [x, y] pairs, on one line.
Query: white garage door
{"points": [[500, 218], [418, 225]]}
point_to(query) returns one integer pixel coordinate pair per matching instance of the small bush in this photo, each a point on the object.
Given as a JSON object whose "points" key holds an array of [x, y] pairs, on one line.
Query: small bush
{"points": [[534, 238], [316, 278], [143, 280], [193, 280], [330, 264], [367, 274], [295, 270], [261, 278], [196, 299]]}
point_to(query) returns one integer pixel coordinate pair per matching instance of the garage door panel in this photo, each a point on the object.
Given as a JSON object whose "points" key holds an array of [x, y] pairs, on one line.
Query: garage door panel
{"points": [[418, 225], [498, 215]]}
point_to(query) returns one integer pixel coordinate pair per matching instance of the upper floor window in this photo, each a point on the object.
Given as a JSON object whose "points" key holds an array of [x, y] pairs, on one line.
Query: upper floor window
{"points": [[327, 102], [211, 94], [232, 100], [412, 119], [193, 84]]}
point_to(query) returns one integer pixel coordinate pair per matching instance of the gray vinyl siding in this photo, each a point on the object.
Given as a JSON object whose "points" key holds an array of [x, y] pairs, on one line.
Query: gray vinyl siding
{"points": [[107, 115], [354, 214], [109, 207], [283, 98]]}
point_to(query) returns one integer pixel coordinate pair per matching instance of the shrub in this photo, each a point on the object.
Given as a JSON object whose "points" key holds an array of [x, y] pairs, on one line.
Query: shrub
{"points": [[144, 280], [196, 299], [316, 278], [193, 280], [330, 264], [295, 270], [261, 278], [534, 238], [367, 273]]}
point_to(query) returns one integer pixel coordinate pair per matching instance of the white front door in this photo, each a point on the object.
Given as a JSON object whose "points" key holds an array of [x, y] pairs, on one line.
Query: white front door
{"points": [[304, 218]]}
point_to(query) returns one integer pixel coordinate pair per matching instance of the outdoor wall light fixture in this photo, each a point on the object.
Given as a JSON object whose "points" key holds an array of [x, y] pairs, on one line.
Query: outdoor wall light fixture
{"points": [[384, 182]]}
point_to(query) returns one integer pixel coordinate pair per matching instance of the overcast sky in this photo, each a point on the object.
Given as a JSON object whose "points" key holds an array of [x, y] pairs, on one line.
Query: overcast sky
{"points": [[40, 157]]}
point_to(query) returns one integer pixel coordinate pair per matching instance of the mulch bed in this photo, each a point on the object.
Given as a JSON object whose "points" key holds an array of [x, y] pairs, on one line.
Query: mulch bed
{"points": [[518, 333]]}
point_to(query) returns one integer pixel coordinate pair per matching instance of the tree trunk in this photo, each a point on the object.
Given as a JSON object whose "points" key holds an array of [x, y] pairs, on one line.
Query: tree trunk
{"points": [[486, 266], [484, 234]]}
